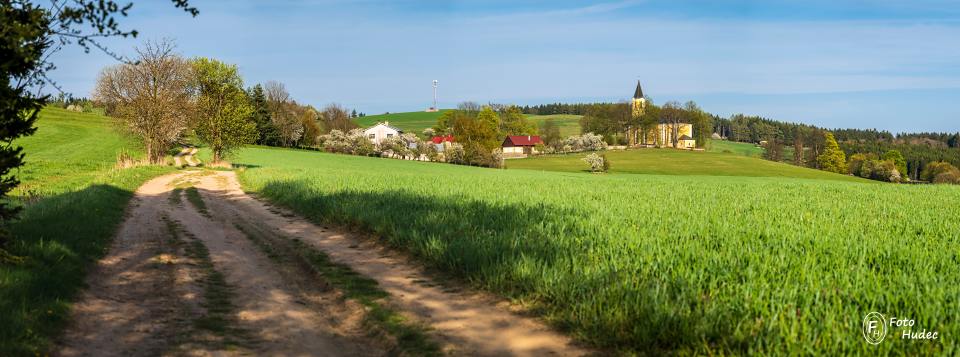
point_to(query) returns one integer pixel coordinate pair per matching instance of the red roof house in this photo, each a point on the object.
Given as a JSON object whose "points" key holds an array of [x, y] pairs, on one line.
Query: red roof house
{"points": [[442, 139], [522, 140], [520, 145]]}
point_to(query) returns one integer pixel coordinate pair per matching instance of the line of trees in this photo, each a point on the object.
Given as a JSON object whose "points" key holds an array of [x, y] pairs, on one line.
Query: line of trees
{"points": [[560, 108], [162, 97], [807, 141], [481, 129], [616, 123]]}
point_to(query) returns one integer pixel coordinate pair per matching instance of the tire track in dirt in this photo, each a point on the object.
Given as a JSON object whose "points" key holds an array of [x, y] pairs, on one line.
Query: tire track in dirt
{"points": [[466, 323], [145, 296]]}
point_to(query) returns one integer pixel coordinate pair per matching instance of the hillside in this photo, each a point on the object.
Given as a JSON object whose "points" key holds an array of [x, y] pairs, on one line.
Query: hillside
{"points": [[411, 122], [416, 122], [689, 264], [569, 124], [73, 200], [678, 162], [726, 146]]}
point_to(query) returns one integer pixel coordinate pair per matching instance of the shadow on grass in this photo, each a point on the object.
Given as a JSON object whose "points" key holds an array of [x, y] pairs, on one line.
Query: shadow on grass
{"points": [[59, 237], [537, 253]]}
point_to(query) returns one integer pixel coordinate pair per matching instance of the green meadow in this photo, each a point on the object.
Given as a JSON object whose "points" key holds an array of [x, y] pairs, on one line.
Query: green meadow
{"points": [[677, 162], [410, 122], [656, 264], [726, 146], [569, 124], [73, 200]]}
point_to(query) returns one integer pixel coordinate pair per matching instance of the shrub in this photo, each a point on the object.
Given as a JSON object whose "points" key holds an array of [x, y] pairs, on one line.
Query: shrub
{"points": [[940, 172], [598, 163]]}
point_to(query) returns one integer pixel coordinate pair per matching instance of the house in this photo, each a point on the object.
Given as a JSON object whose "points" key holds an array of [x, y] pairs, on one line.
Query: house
{"points": [[666, 134], [442, 139], [520, 145], [441, 142], [381, 131]]}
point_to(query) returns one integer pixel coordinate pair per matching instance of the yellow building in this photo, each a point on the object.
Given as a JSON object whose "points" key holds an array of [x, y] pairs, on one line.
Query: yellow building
{"points": [[679, 135]]}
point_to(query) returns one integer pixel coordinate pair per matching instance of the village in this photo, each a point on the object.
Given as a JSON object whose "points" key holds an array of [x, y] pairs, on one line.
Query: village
{"points": [[391, 141]]}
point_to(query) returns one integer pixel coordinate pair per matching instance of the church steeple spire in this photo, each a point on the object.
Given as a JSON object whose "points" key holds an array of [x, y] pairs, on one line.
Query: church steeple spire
{"points": [[639, 92]]}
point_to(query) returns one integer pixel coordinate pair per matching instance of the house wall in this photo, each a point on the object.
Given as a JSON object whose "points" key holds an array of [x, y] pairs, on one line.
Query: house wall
{"points": [[663, 135], [379, 133]]}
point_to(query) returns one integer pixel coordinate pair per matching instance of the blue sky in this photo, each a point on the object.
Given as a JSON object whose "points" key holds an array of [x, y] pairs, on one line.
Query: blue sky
{"points": [[892, 65]]}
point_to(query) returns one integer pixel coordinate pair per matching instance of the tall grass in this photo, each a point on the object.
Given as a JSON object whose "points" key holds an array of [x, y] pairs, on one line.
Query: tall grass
{"points": [[658, 264]]}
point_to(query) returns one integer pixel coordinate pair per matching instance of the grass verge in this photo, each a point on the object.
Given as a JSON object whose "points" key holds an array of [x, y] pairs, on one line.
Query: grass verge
{"points": [[59, 237]]}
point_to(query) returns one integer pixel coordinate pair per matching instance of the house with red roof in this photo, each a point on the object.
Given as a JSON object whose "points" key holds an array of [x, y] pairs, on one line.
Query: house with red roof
{"points": [[520, 145], [442, 139]]}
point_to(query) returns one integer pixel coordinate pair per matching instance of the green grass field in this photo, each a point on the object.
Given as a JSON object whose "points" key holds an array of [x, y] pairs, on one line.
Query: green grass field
{"points": [[724, 146], [677, 162], [410, 122], [74, 200], [416, 122], [569, 124], [657, 264]]}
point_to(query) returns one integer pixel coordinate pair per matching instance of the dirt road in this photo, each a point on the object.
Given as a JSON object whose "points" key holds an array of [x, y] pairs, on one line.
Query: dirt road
{"points": [[185, 277]]}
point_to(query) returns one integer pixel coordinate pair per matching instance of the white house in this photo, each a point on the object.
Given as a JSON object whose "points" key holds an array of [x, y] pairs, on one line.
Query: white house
{"points": [[381, 131]]}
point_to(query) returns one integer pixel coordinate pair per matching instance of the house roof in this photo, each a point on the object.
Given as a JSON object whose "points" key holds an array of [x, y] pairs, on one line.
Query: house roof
{"points": [[685, 137], [442, 139], [522, 140], [637, 94], [386, 124]]}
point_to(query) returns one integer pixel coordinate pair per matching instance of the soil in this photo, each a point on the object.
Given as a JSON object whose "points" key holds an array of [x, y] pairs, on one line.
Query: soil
{"points": [[147, 294]]}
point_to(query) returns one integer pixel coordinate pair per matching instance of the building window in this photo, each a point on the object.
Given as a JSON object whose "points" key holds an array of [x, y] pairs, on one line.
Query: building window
{"points": [[372, 136], [389, 135]]}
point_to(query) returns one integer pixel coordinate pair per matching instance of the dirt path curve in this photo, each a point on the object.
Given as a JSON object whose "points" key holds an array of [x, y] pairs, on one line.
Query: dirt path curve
{"points": [[147, 297], [467, 323], [186, 156]]}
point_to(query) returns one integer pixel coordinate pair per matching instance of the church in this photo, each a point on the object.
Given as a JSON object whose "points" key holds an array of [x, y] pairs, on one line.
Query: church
{"points": [[665, 135]]}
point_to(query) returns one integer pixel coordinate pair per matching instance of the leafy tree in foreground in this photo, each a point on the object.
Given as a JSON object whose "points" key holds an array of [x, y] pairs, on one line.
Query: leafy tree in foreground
{"points": [[30, 34], [223, 111], [832, 159]]}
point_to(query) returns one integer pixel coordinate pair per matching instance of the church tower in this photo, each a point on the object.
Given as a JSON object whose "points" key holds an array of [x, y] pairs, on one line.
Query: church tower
{"points": [[639, 102]]}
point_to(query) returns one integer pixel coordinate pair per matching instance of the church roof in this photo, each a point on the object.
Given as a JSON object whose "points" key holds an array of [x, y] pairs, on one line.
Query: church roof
{"points": [[639, 92]]}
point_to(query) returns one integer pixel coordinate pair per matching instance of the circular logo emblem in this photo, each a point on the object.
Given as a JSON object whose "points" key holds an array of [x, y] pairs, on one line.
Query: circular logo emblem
{"points": [[874, 328]]}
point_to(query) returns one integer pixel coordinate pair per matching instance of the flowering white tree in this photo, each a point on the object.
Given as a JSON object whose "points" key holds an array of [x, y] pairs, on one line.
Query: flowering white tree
{"points": [[598, 163]]}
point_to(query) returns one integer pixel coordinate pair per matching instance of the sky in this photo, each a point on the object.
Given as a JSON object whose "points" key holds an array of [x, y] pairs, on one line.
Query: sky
{"points": [[890, 65]]}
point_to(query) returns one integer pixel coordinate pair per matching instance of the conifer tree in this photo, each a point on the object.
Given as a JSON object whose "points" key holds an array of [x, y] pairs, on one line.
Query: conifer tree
{"points": [[832, 159]]}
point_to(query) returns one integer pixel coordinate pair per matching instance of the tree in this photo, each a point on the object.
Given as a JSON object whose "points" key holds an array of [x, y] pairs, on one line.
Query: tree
{"points": [[954, 141], [673, 115], [267, 134], [223, 111], [798, 147], [309, 118], [336, 117], [513, 122], [897, 159], [832, 159], [550, 133], [29, 31], [701, 121], [282, 116], [152, 98], [774, 150]]}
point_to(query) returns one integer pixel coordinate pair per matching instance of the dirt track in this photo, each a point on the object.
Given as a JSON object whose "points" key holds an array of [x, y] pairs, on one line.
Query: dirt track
{"points": [[152, 296]]}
